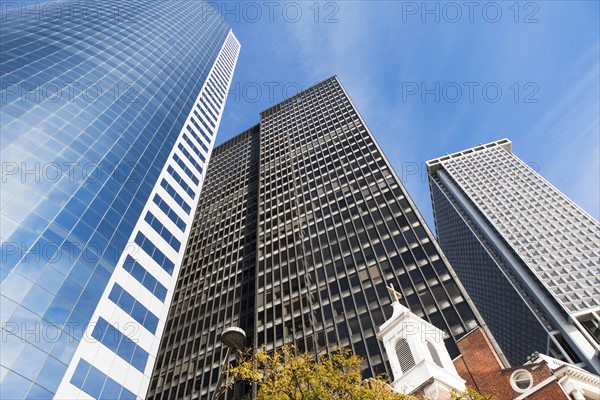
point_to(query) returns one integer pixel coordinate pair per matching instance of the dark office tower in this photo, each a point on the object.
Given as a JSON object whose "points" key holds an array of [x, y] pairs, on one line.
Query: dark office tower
{"points": [[527, 255], [216, 288], [109, 113], [301, 225]]}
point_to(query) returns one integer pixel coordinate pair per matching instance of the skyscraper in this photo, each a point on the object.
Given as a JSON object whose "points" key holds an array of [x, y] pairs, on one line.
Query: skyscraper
{"points": [[109, 114], [300, 227], [527, 255]]}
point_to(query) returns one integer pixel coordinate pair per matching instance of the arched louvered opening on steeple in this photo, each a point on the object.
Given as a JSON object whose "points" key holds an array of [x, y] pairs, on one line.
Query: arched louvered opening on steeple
{"points": [[405, 356], [434, 354]]}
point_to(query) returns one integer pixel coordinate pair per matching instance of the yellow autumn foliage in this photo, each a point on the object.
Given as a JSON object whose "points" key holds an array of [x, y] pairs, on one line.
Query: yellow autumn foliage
{"points": [[289, 375]]}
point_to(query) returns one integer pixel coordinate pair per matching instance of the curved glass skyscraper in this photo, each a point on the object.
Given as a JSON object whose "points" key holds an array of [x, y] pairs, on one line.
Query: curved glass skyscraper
{"points": [[109, 114]]}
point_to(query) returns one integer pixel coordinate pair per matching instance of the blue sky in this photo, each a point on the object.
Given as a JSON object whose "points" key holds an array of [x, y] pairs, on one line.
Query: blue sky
{"points": [[528, 71]]}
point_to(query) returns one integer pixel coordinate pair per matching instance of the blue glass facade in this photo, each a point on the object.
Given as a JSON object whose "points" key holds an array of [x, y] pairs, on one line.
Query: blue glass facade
{"points": [[94, 96]]}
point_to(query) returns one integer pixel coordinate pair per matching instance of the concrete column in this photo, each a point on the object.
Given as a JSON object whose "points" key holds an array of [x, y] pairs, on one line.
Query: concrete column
{"points": [[577, 395]]}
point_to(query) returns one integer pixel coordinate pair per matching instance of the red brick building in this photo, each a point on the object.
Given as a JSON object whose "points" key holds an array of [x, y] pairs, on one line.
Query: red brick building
{"points": [[542, 378], [422, 366]]}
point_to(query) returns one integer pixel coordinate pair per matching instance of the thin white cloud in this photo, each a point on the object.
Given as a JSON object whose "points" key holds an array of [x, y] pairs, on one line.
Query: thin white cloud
{"points": [[564, 139], [569, 136]]}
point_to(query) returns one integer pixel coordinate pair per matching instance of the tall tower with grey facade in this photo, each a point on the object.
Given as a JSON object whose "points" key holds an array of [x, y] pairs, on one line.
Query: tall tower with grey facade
{"points": [[300, 227], [528, 256], [109, 114]]}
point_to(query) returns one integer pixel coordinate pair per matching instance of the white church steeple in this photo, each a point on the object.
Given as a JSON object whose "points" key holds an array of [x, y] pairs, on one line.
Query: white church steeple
{"points": [[418, 357]]}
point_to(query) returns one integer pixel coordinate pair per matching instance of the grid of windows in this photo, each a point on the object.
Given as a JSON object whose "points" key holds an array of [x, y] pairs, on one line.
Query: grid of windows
{"points": [[178, 199], [145, 278], [154, 252], [190, 158], [92, 381], [186, 188], [335, 226], [185, 169], [216, 282], [124, 79], [131, 306], [191, 143], [208, 108], [500, 299], [120, 344], [202, 121], [557, 240], [524, 251], [195, 134], [169, 212], [162, 231], [315, 222]]}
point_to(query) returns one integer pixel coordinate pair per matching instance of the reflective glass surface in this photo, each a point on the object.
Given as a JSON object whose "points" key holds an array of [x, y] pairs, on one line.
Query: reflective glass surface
{"points": [[94, 96]]}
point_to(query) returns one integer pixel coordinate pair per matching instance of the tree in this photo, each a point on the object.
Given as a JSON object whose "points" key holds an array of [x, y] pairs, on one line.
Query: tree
{"points": [[289, 375], [470, 394]]}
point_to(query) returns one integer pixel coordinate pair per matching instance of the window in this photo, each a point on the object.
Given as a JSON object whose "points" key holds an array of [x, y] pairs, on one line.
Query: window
{"points": [[131, 306], [162, 231], [184, 167], [405, 357], [434, 354], [154, 252], [145, 278], [96, 384], [120, 344], [178, 199], [169, 212], [521, 380]]}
